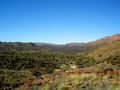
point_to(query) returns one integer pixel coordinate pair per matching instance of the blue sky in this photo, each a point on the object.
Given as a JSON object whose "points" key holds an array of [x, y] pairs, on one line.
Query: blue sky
{"points": [[58, 21]]}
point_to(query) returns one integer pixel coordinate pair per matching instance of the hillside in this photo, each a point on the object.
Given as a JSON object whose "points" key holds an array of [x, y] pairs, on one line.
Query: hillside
{"points": [[67, 48], [73, 66], [105, 51], [108, 39], [20, 46], [108, 46]]}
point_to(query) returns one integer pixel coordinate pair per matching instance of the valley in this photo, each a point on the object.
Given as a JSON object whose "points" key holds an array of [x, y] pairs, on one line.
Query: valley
{"points": [[74, 66]]}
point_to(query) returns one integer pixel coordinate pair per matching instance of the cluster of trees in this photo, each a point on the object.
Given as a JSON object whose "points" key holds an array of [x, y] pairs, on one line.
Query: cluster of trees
{"points": [[10, 79], [20, 60], [34, 62], [16, 67], [114, 59], [85, 61]]}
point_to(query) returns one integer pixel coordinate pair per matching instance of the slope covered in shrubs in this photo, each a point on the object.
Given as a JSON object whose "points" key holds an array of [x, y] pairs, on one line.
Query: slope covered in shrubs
{"points": [[27, 66]]}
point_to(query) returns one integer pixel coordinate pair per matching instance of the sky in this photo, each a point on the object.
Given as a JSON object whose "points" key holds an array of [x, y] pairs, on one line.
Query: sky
{"points": [[58, 21]]}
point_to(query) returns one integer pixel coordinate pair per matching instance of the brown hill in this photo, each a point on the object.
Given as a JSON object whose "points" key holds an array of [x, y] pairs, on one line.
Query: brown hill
{"points": [[109, 39]]}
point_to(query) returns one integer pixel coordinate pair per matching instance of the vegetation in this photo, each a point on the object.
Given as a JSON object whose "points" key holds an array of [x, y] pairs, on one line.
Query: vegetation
{"points": [[27, 66], [19, 46]]}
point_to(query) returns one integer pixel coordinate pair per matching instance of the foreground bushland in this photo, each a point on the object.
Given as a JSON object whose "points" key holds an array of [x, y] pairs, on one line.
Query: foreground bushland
{"points": [[46, 70]]}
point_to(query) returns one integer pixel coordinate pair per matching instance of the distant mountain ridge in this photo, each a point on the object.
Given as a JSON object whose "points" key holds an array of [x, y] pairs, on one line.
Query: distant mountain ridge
{"points": [[42, 43], [115, 37], [68, 48]]}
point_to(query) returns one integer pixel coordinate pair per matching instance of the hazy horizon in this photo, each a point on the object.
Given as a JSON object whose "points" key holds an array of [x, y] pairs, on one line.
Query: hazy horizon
{"points": [[57, 43], [58, 21]]}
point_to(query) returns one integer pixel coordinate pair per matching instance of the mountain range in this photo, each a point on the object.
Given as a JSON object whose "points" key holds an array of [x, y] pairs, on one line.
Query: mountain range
{"points": [[55, 65], [67, 48]]}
